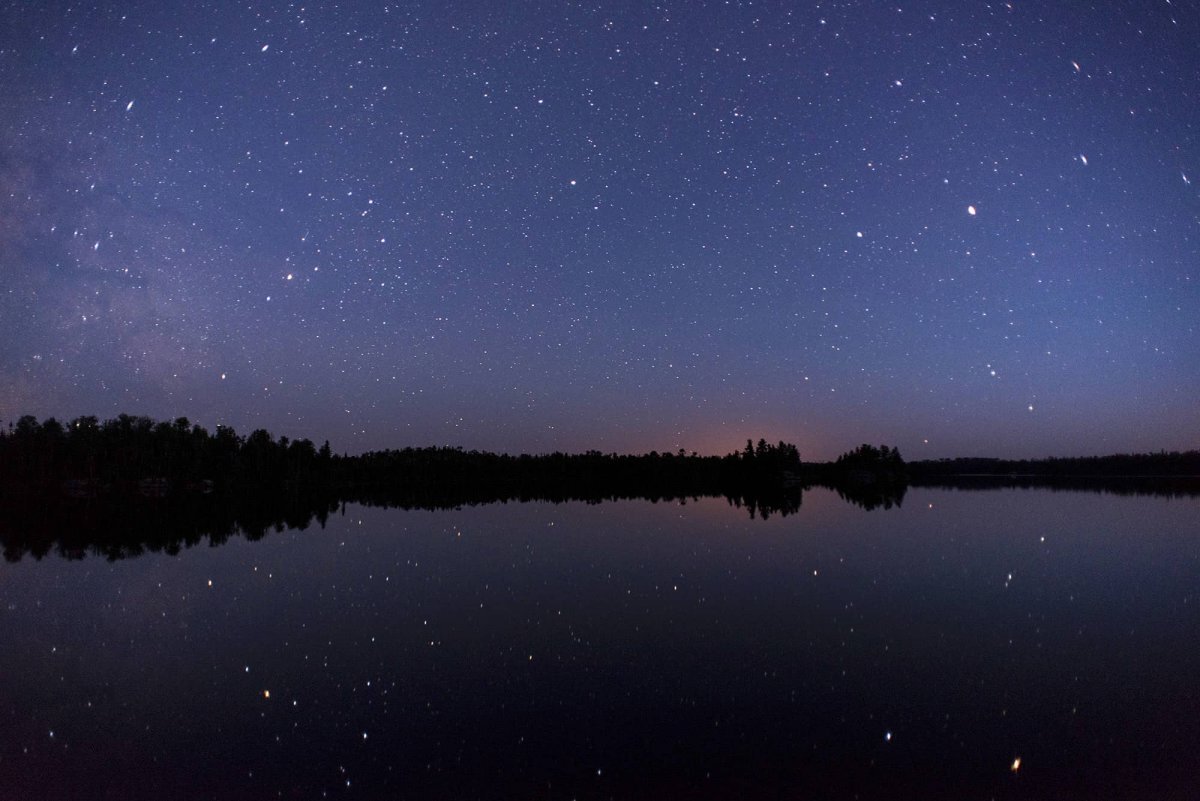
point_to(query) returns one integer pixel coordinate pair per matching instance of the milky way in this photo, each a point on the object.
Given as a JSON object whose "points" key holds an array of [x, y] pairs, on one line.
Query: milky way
{"points": [[959, 228]]}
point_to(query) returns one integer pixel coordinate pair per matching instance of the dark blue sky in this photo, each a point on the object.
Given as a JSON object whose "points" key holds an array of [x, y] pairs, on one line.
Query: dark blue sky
{"points": [[956, 227]]}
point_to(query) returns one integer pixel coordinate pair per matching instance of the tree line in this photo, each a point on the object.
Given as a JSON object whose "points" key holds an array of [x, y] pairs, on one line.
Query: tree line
{"points": [[131, 483], [68, 487], [431, 471], [1118, 465], [119, 454]]}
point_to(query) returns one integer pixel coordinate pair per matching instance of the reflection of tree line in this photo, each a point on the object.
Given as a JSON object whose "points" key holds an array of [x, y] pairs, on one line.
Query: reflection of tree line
{"points": [[131, 484], [1178, 464], [443, 477], [1164, 474], [1159, 486], [119, 528], [762, 478]]}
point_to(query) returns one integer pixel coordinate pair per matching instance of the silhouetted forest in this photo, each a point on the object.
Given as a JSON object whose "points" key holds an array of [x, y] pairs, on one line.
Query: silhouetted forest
{"points": [[138, 456], [1164, 474], [447, 475], [131, 484]]}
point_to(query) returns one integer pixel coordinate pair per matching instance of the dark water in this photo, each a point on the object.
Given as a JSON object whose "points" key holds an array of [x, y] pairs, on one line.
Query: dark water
{"points": [[624, 650]]}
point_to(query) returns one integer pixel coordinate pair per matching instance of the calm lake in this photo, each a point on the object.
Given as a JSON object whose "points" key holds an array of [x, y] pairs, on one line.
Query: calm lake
{"points": [[969, 644]]}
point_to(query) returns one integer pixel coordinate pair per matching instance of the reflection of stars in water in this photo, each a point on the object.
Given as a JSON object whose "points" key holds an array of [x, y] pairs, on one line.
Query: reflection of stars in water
{"points": [[346, 618]]}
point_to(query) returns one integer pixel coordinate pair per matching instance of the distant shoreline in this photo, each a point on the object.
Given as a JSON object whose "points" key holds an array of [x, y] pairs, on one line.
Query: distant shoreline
{"points": [[132, 485], [132, 457]]}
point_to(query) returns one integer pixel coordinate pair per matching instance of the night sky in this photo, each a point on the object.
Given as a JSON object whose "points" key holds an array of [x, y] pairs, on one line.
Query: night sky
{"points": [[961, 228]]}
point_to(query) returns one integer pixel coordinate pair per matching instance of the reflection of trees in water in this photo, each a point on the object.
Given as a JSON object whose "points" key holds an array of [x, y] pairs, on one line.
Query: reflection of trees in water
{"points": [[119, 529], [871, 495], [1156, 486], [1118, 467], [131, 485], [133, 525], [761, 504], [764, 503]]}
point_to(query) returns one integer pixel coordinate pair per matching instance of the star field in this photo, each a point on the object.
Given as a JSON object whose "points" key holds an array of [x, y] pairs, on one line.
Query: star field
{"points": [[957, 228]]}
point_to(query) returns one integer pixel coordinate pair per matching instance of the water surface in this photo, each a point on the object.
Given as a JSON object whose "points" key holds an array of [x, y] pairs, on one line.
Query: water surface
{"points": [[623, 650]]}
